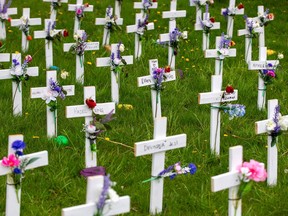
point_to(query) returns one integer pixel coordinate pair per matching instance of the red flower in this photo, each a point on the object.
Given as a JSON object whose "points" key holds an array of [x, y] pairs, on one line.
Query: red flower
{"points": [[90, 103], [86, 5], [167, 69], [1, 43], [9, 19], [212, 19], [270, 16], [154, 0], [232, 43], [229, 89], [29, 37], [65, 33], [240, 6]]}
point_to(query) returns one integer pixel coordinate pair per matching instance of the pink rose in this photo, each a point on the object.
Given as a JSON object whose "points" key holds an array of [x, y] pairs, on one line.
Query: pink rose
{"points": [[271, 73], [28, 58], [11, 161], [257, 171]]}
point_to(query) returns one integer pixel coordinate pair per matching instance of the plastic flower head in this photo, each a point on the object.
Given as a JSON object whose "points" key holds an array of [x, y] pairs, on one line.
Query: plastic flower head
{"points": [[54, 86], [253, 171], [121, 47], [266, 18], [280, 56], [49, 96], [11, 161], [28, 58], [251, 25], [235, 110], [90, 103], [18, 145], [64, 74]]}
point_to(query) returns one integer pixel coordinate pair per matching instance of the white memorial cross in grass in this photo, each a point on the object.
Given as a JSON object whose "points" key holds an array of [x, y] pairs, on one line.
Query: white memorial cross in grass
{"points": [[222, 51], [215, 97], [84, 111], [115, 75], [231, 181], [230, 13], [5, 12], [80, 9], [24, 24], [206, 25], [41, 92], [172, 15], [160, 143], [55, 5], [17, 87], [79, 48], [13, 196], [198, 4], [145, 5], [109, 22], [119, 205], [262, 64], [141, 25], [49, 35], [261, 127]]}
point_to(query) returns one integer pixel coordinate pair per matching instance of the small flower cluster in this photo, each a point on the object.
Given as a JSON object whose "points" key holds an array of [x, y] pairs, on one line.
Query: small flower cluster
{"points": [[53, 34], [24, 27], [81, 43], [18, 71], [175, 37], [142, 26], [232, 11], [225, 44], [117, 62], [276, 125], [111, 24], [159, 75], [174, 170], [147, 4], [266, 18], [3, 12], [16, 165], [107, 192], [251, 25], [79, 11], [56, 4], [268, 75], [53, 91], [234, 110]]}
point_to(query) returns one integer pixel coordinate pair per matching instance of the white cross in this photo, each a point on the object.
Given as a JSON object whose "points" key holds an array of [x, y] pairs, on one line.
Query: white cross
{"points": [[25, 20], [17, 89], [103, 21], [74, 7], [115, 77], [80, 58], [4, 57], [83, 111], [215, 97], [199, 27], [214, 53], [40, 91], [260, 65], [5, 15], [231, 181], [48, 43], [172, 15], [272, 152], [118, 5], [12, 204], [149, 81], [94, 189], [230, 18], [53, 12], [140, 5], [139, 30]]}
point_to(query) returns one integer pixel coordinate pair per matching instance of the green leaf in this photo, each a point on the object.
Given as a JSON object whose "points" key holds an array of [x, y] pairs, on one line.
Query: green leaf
{"points": [[31, 160]]}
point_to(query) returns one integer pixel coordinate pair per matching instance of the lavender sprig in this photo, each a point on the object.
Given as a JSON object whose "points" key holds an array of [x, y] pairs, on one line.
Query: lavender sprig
{"points": [[101, 202]]}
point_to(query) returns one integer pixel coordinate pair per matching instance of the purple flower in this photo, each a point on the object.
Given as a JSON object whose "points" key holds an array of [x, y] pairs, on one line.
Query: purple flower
{"points": [[18, 144], [101, 202], [15, 62], [19, 153], [93, 171], [5, 6], [17, 171], [193, 168]]}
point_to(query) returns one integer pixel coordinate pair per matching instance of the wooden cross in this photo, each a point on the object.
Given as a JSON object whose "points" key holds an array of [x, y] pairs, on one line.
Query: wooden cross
{"points": [[51, 116], [140, 5], [5, 15], [83, 111], [196, 3], [138, 30], [17, 89], [12, 204], [199, 26], [53, 12], [118, 5], [214, 53], [79, 6], [172, 15], [231, 181], [115, 77], [215, 97], [25, 20], [103, 21], [260, 65], [272, 152], [94, 189], [232, 11], [80, 58], [48, 43], [149, 81]]}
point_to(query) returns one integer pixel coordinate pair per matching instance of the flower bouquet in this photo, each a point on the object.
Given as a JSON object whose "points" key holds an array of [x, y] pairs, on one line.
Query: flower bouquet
{"points": [[79, 47], [142, 26], [19, 72], [225, 44], [117, 62], [266, 18], [79, 11], [3, 12], [232, 11], [24, 27], [54, 34], [251, 25]]}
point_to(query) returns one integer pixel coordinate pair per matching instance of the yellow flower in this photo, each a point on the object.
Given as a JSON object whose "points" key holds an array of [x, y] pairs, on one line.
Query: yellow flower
{"points": [[89, 63], [155, 20], [120, 106], [10, 31], [225, 135], [35, 137], [128, 106], [60, 12], [187, 60], [16, 52], [270, 52], [158, 12], [107, 138]]}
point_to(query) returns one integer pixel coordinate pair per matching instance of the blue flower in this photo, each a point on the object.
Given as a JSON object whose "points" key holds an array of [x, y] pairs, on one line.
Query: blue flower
{"points": [[193, 168], [19, 153], [17, 170], [18, 144], [172, 176]]}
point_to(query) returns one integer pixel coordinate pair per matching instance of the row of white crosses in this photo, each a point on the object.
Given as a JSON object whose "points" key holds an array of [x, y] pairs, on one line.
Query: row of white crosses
{"points": [[89, 46], [215, 97], [25, 20], [103, 21], [53, 12], [94, 189], [4, 14], [12, 204], [115, 77], [84, 111], [17, 88], [160, 143], [40, 91], [172, 15]]}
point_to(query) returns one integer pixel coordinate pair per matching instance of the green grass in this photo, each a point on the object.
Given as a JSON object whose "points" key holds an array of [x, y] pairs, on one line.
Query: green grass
{"points": [[49, 189]]}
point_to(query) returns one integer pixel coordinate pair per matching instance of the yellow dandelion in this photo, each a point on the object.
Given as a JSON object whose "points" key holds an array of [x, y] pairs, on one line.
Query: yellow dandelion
{"points": [[88, 40], [93, 53], [120, 106], [60, 12], [193, 66], [128, 106], [16, 52], [158, 12], [10, 31], [182, 57], [225, 135], [26, 113], [107, 138], [159, 26], [35, 137], [194, 152], [155, 20], [192, 50], [270, 52], [89, 63], [187, 60]]}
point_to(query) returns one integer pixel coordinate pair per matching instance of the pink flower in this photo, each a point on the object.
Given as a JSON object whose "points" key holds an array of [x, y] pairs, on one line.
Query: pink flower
{"points": [[79, 11], [28, 58], [271, 73], [11, 161], [257, 171]]}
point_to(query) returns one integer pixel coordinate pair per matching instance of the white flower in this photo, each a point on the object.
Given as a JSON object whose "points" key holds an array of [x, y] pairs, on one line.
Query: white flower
{"points": [[140, 30], [245, 171], [207, 23], [64, 74], [24, 20], [121, 47], [280, 56], [76, 36], [113, 195], [211, 1], [184, 35], [270, 125], [17, 70], [283, 122], [255, 25], [117, 61], [49, 96], [91, 129], [4, 16]]}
